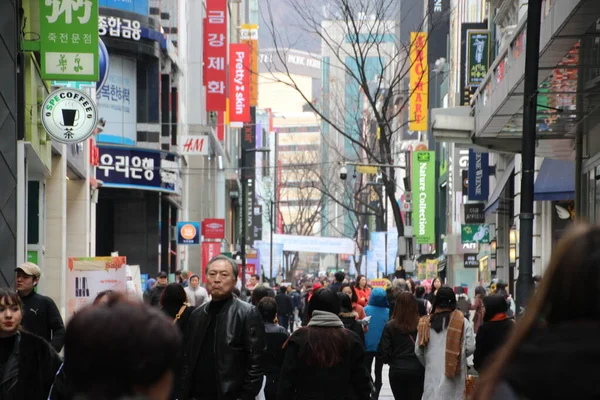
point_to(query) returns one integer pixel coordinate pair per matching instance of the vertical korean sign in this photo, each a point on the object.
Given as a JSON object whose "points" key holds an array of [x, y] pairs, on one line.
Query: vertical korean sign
{"points": [[249, 36], [423, 175], [478, 58], [479, 175], [239, 83], [69, 40], [215, 55], [419, 82]]}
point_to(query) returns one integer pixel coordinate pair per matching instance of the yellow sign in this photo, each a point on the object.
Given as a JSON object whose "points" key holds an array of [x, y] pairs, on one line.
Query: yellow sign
{"points": [[366, 169], [380, 282], [419, 83], [249, 35]]}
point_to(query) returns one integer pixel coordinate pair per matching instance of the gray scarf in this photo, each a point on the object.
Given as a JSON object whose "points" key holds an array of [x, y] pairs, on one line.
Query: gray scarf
{"points": [[325, 319]]}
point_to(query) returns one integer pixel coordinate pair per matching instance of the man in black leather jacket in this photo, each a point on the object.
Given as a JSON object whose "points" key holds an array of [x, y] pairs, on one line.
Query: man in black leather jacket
{"points": [[224, 343]]}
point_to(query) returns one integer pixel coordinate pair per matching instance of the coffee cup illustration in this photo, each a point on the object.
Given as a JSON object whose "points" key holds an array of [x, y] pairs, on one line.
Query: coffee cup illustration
{"points": [[70, 116]]}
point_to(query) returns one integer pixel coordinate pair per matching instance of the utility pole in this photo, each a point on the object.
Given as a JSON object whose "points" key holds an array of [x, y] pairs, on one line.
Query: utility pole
{"points": [[272, 213], [525, 283]]}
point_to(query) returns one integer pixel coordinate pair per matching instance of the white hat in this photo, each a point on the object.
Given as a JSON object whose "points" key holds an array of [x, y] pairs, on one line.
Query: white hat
{"points": [[30, 268]]}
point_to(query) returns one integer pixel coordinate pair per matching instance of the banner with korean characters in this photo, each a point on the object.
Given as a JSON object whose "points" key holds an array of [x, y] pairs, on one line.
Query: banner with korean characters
{"points": [[249, 36], [239, 84], [129, 168], [119, 27], [69, 40], [215, 55], [478, 58]]}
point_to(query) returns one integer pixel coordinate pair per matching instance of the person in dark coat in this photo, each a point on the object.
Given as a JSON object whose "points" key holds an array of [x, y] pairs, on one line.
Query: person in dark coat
{"points": [[494, 331], [275, 338], [153, 296], [349, 317], [285, 307], [173, 302], [28, 363], [323, 360], [336, 286]]}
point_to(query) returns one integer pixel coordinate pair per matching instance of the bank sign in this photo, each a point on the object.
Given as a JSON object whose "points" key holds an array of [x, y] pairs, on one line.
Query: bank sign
{"points": [[69, 40], [423, 183]]}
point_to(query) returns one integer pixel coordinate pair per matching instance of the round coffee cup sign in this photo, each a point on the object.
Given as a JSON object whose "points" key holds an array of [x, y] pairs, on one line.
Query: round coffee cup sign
{"points": [[69, 116]]}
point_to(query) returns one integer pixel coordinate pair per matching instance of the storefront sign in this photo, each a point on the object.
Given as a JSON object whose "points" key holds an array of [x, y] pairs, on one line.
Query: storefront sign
{"points": [[257, 223], [474, 213], [419, 83], [479, 175], [478, 57], [215, 55], [69, 40], [117, 103], [423, 184], [209, 251], [475, 233], [249, 143], [213, 228], [134, 6], [239, 83], [193, 145], [119, 27], [471, 261], [188, 233], [249, 36], [138, 169], [69, 116]]}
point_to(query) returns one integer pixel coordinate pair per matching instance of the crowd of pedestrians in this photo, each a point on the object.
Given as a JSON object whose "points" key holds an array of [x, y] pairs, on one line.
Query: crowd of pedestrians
{"points": [[316, 343]]}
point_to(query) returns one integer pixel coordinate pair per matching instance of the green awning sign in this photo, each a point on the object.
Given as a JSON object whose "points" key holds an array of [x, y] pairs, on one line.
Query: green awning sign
{"points": [[69, 40], [423, 183], [475, 233]]}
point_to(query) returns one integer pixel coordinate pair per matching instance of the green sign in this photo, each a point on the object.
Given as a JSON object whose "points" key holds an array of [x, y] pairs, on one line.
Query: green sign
{"points": [[475, 233], [69, 40], [423, 183], [32, 256], [478, 56]]}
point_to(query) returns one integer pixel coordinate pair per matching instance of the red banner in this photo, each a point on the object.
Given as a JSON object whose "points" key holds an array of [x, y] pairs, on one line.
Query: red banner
{"points": [[239, 83], [213, 228], [215, 55], [221, 126], [209, 250]]}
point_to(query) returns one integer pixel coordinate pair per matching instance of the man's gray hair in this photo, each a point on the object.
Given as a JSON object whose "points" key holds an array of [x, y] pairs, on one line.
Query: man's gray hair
{"points": [[221, 257], [400, 284]]}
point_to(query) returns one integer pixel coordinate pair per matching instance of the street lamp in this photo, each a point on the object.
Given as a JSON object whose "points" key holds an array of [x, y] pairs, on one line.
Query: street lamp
{"points": [[512, 250], [493, 248]]}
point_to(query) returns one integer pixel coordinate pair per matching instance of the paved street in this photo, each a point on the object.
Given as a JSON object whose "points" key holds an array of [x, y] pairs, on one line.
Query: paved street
{"points": [[386, 391]]}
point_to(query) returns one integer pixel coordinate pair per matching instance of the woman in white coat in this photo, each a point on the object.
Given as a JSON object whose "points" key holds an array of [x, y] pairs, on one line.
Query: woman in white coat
{"points": [[444, 341]]}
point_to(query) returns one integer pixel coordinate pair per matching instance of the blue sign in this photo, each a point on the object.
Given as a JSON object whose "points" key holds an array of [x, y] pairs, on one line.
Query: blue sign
{"points": [[134, 6], [103, 64], [479, 175], [131, 168], [188, 233]]}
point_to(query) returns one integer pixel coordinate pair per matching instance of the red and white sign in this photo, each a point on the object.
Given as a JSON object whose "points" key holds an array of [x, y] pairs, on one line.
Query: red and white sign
{"points": [[209, 251], [215, 55], [193, 145], [213, 228], [239, 83], [221, 126]]}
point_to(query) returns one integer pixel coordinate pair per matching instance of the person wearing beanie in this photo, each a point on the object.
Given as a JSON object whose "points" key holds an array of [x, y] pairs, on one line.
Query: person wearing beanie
{"points": [[324, 360], [494, 331], [196, 294], [444, 341]]}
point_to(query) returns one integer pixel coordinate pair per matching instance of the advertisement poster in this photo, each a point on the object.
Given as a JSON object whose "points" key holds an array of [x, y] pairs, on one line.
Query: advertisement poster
{"points": [[134, 282], [88, 276], [209, 251], [475, 233], [249, 36], [117, 103], [423, 183], [419, 83], [427, 270]]}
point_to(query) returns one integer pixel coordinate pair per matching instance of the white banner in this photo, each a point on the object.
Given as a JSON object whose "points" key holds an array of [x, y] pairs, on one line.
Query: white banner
{"points": [[315, 244]]}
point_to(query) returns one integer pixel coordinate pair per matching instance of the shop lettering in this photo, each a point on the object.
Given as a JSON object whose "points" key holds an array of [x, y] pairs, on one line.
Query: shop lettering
{"points": [[240, 101], [422, 198]]}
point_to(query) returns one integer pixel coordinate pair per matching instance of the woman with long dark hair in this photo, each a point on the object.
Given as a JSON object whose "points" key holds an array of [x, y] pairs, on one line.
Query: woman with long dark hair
{"points": [[362, 290], [173, 302], [444, 341], [436, 284], [553, 352], [28, 363], [494, 330], [397, 348], [478, 307], [350, 291], [324, 360]]}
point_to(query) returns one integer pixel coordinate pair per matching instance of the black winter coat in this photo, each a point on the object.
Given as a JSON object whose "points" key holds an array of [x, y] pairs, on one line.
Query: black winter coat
{"points": [[240, 346], [275, 338], [30, 369], [153, 296], [349, 379], [398, 350], [490, 337], [349, 321], [42, 318]]}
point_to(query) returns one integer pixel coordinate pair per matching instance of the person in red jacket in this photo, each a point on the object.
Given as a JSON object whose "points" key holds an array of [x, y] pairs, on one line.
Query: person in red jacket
{"points": [[362, 290]]}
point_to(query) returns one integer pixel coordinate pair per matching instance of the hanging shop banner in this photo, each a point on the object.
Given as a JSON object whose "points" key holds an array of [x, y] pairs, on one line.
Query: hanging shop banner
{"points": [[196, 145], [69, 40], [257, 226], [188, 233], [86, 277], [479, 175], [471, 261], [215, 55], [419, 83], [249, 36], [423, 184], [213, 228], [474, 213], [466, 91], [475, 233], [69, 116], [249, 143], [209, 251], [478, 57], [129, 168], [239, 83]]}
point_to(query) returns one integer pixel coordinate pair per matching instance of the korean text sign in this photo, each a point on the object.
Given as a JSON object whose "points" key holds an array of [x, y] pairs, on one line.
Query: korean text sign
{"points": [[478, 58], [215, 55], [69, 40], [423, 183], [141, 169], [419, 82], [239, 83], [188, 233]]}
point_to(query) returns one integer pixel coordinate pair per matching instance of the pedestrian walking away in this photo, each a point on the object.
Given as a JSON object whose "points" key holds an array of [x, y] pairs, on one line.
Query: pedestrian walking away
{"points": [[493, 332], [285, 307], [379, 313], [275, 338], [40, 314], [349, 317]]}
